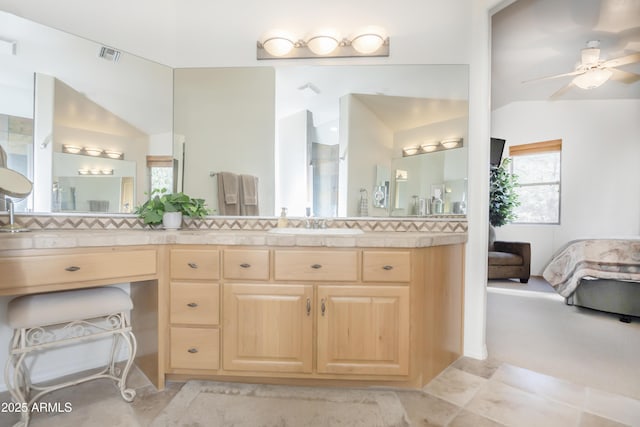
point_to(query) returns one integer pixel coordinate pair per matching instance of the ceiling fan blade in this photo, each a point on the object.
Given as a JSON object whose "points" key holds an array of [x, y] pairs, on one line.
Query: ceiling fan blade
{"points": [[573, 73], [557, 94], [624, 76], [623, 60]]}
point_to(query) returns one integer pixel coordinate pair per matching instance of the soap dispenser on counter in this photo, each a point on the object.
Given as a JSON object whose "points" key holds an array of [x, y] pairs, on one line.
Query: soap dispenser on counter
{"points": [[283, 221]]}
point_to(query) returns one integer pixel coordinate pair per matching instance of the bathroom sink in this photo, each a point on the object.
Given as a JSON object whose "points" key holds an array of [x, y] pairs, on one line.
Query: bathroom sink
{"points": [[317, 231]]}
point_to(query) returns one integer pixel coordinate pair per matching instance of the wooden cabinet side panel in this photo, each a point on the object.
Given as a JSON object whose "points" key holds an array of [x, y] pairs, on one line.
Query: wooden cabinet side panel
{"points": [[443, 307]]}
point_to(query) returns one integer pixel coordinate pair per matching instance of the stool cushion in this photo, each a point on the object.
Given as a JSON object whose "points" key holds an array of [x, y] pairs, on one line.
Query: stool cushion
{"points": [[60, 307]]}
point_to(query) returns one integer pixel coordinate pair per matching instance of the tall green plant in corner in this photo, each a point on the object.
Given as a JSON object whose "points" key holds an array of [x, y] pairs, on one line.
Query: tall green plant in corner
{"points": [[503, 198]]}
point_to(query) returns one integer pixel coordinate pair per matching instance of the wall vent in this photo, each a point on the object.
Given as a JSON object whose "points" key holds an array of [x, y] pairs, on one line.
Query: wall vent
{"points": [[109, 53]]}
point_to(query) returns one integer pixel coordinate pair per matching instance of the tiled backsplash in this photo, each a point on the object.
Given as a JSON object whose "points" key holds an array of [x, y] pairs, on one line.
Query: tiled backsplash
{"points": [[438, 224]]}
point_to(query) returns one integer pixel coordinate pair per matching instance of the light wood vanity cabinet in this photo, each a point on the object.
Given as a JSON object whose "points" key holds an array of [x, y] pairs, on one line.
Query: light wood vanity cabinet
{"points": [[315, 314], [194, 309], [268, 327]]}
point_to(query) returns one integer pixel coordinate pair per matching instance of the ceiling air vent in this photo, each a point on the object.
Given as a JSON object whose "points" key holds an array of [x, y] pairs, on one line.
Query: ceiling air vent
{"points": [[110, 54]]}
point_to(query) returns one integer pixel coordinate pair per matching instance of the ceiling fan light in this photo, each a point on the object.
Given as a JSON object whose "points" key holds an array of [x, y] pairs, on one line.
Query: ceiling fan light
{"points": [[593, 78]]}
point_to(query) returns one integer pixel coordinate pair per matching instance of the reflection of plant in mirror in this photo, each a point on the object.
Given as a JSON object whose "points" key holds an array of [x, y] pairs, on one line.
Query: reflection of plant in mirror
{"points": [[160, 202], [503, 198]]}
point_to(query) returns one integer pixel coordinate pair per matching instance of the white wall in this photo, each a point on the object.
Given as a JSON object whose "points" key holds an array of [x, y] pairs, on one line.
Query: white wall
{"points": [[600, 176], [235, 136], [292, 164], [370, 143]]}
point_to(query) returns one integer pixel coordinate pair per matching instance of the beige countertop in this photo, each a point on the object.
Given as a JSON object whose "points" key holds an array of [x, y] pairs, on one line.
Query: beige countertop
{"points": [[50, 239]]}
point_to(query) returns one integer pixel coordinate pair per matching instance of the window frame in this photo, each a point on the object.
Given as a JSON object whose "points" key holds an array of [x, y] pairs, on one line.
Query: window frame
{"points": [[543, 147]]}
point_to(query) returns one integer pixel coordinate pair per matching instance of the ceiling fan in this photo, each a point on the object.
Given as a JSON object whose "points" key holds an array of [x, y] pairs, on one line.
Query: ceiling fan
{"points": [[592, 71]]}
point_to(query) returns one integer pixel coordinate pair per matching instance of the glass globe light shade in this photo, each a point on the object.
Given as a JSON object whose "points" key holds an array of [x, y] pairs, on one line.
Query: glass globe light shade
{"points": [[322, 45], [277, 46], [367, 43], [592, 78]]}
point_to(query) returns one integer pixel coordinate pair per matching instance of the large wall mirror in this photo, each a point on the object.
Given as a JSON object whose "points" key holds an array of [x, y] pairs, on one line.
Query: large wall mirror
{"points": [[329, 140], [332, 141], [79, 119]]}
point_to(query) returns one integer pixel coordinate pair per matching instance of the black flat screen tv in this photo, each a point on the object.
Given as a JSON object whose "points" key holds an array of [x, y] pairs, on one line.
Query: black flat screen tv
{"points": [[497, 146]]}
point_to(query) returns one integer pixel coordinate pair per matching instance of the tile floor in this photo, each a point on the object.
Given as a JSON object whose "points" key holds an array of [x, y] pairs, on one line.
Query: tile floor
{"points": [[468, 393]]}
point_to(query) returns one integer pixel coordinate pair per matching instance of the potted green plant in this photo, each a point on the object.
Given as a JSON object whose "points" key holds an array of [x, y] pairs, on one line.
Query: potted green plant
{"points": [[503, 198], [168, 208]]}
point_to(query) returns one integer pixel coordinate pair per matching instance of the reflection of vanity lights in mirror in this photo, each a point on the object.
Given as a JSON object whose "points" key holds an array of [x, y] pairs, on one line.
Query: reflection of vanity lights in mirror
{"points": [[451, 143], [327, 44], [431, 147], [410, 151], [105, 171], [92, 151], [95, 152]]}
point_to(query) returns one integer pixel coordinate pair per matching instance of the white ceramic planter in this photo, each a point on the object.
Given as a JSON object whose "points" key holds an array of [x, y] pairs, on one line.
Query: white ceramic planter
{"points": [[172, 220]]}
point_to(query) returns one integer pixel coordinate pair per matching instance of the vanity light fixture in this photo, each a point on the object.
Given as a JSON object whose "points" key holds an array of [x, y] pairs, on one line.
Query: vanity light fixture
{"points": [[451, 142], [105, 171], [429, 146], [325, 44], [92, 151], [72, 149], [410, 151], [113, 154], [432, 147]]}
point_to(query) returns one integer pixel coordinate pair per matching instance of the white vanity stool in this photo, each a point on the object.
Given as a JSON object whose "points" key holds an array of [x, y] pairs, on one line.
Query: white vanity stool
{"points": [[55, 319]]}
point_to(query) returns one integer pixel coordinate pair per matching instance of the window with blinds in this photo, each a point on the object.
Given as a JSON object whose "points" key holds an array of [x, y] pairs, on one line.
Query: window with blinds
{"points": [[537, 166]]}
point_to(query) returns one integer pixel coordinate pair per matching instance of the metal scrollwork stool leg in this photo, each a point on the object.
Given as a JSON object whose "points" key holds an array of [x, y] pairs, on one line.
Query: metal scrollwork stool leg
{"points": [[44, 321]]}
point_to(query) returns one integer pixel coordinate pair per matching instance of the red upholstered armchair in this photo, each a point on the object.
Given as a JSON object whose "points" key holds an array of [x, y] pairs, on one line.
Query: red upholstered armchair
{"points": [[509, 260]]}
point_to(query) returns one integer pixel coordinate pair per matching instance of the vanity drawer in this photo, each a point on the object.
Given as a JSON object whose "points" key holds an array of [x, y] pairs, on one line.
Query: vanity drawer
{"points": [[386, 266], [247, 264], [36, 270], [195, 303], [195, 264], [316, 265], [195, 348]]}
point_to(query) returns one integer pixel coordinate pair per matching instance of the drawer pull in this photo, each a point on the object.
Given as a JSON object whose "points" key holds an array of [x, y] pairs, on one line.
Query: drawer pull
{"points": [[193, 265], [316, 266], [308, 306], [245, 265], [193, 350], [388, 267], [192, 305], [323, 306], [72, 268]]}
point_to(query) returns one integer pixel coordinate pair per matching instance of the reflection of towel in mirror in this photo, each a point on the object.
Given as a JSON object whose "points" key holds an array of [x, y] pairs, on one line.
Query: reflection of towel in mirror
{"points": [[228, 194], [249, 195], [3, 158]]}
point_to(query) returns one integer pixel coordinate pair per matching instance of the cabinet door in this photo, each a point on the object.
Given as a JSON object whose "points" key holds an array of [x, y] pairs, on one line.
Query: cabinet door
{"points": [[363, 330], [268, 328]]}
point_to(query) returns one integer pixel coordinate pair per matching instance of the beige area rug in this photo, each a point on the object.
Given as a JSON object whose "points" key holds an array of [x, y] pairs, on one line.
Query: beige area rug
{"points": [[205, 403]]}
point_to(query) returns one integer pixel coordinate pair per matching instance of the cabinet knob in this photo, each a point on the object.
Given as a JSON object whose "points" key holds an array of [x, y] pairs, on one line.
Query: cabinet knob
{"points": [[388, 267], [193, 350], [192, 305], [316, 266], [72, 268], [245, 265], [192, 265]]}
